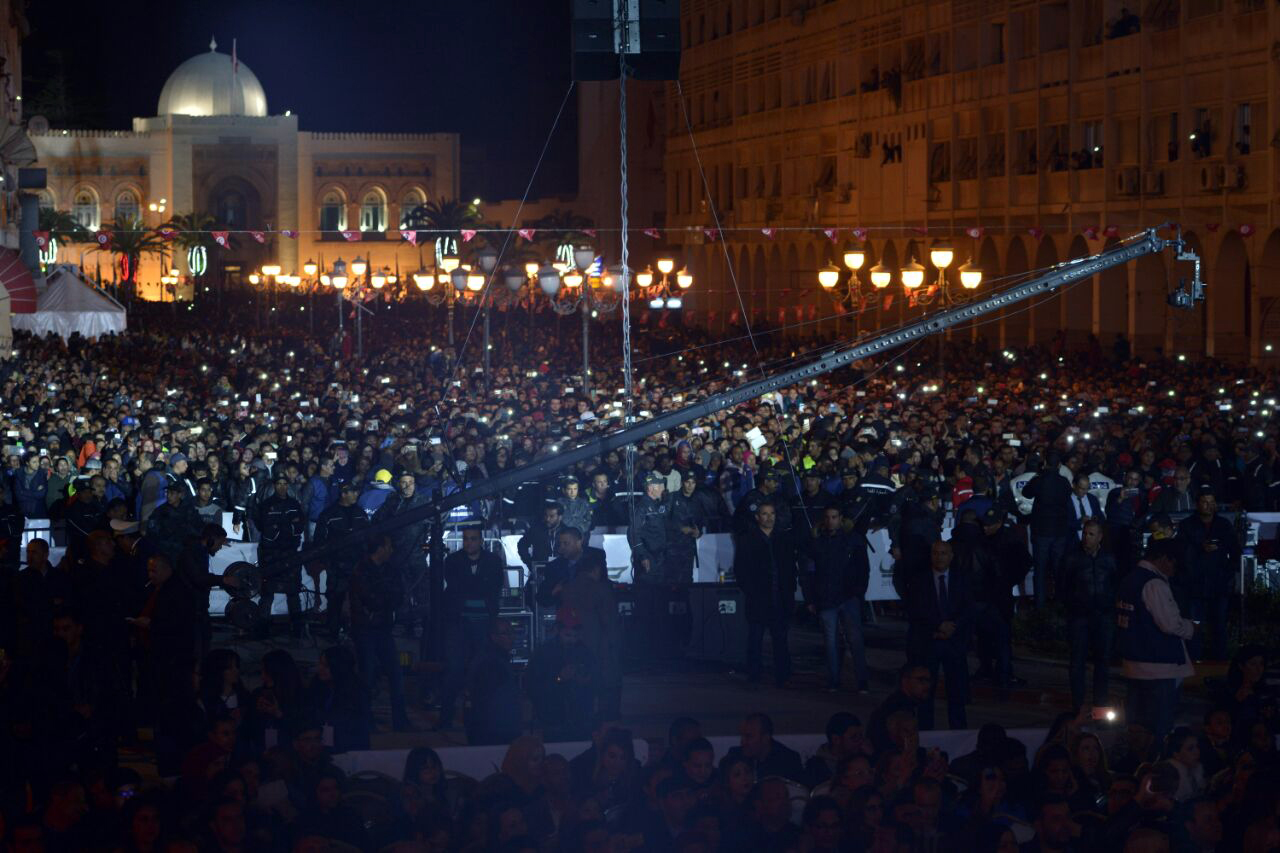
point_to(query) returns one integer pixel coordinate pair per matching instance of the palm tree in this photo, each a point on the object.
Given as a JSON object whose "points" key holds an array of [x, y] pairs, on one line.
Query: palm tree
{"points": [[561, 227], [443, 219], [62, 226], [131, 239]]}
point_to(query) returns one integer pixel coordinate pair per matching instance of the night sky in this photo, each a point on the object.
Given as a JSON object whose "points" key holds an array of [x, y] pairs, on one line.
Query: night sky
{"points": [[493, 70]]}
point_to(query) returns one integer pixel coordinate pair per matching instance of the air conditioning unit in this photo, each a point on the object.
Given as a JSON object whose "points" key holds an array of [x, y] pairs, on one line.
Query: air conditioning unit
{"points": [[1127, 180], [1153, 182]]}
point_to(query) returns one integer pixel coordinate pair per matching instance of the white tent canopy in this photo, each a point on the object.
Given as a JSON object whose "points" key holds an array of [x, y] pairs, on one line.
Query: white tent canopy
{"points": [[70, 304]]}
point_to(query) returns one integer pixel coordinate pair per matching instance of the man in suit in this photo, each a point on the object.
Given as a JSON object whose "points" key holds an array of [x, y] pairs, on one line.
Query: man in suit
{"points": [[1178, 499], [1085, 506], [538, 544], [1051, 523], [940, 610], [573, 555], [764, 564], [473, 579]]}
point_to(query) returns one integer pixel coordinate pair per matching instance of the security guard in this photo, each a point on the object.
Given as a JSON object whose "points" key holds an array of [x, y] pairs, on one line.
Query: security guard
{"points": [[336, 523], [281, 521], [744, 516], [649, 535], [687, 522]]}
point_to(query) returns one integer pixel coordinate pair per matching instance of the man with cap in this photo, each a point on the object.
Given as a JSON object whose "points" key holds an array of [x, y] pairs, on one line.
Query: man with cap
{"points": [[576, 512], [687, 523], [334, 525], [281, 523], [745, 513], [649, 536], [173, 522], [1010, 562], [177, 473], [807, 511], [409, 558], [377, 492]]}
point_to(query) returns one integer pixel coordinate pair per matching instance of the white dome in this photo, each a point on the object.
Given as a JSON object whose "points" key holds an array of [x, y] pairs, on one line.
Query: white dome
{"points": [[205, 85]]}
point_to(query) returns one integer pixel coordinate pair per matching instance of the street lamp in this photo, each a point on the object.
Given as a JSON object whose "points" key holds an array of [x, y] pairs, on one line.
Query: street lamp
{"points": [[854, 258], [880, 276], [644, 278], [912, 274]]}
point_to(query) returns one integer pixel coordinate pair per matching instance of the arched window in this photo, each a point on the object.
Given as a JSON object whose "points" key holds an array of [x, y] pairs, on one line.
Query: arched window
{"points": [[127, 207], [85, 209], [231, 209], [373, 212], [333, 212], [408, 202], [46, 200]]}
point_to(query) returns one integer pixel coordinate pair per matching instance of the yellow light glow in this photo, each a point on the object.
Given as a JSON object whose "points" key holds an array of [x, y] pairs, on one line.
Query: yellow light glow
{"points": [[666, 265], [828, 277], [644, 278], [880, 277], [339, 281], [475, 281], [912, 275], [449, 263], [941, 256], [854, 259], [970, 277], [271, 270], [310, 268], [573, 279], [359, 267], [530, 269], [254, 278], [377, 280], [684, 279]]}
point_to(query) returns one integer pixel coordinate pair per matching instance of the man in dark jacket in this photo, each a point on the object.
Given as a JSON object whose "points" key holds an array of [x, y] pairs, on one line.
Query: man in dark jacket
{"points": [[281, 523], [764, 564], [1212, 558], [408, 557], [84, 514], [834, 587], [172, 524], [375, 595], [193, 570], [686, 523], [939, 607], [993, 593], [1052, 519], [538, 544], [334, 525], [572, 555], [474, 579], [1126, 511], [1088, 588], [768, 757], [493, 687]]}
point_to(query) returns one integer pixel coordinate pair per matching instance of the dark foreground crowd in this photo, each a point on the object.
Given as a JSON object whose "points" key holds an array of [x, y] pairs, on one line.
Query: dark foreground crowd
{"points": [[1102, 477]]}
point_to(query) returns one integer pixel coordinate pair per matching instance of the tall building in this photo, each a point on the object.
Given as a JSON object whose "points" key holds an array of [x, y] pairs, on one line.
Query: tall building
{"points": [[213, 147], [1055, 127]]}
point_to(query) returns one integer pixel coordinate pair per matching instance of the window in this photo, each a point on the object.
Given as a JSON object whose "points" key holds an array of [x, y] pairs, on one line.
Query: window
{"points": [[127, 207], [46, 199], [1090, 154], [373, 212], [85, 209], [333, 212], [231, 209], [410, 201], [1174, 142], [1244, 128], [1201, 136]]}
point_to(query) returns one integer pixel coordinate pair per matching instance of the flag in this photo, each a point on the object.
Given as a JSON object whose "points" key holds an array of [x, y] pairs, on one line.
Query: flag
{"points": [[769, 232], [711, 234], [590, 232], [409, 235], [1111, 231], [919, 230], [975, 231], [1036, 232], [102, 236], [831, 233], [42, 238], [351, 236], [259, 236], [467, 235], [860, 233], [1090, 232], [290, 233], [526, 233], [222, 238], [166, 233], [653, 232], [1246, 230], [1213, 227]]}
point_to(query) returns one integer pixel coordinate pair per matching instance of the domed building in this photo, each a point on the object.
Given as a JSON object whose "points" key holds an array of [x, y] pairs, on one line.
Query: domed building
{"points": [[214, 148]]}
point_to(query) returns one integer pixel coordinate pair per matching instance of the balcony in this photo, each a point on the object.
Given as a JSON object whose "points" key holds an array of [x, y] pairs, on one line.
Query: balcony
{"points": [[1026, 190], [1089, 64], [1166, 47], [1055, 68], [994, 192], [1091, 185], [1022, 75], [1123, 55]]}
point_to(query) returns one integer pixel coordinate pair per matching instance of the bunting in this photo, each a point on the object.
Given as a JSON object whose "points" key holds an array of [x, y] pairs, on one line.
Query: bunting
{"points": [[102, 237], [258, 236], [832, 233], [468, 234], [975, 231], [409, 235], [351, 236], [653, 232], [527, 233], [42, 238], [290, 233], [222, 238], [1246, 230]]}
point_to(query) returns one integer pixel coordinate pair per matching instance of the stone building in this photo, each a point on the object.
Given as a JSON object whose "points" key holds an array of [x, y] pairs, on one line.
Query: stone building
{"points": [[213, 147], [920, 120]]}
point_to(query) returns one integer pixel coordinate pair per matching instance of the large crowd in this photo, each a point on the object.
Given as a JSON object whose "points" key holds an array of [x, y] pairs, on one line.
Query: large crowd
{"points": [[1083, 479]]}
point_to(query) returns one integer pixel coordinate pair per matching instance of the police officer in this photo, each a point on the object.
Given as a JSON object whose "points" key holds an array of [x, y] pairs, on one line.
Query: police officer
{"points": [[687, 522], [173, 523], [806, 512], [745, 514], [281, 522], [335, 524], [649, 535]]}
